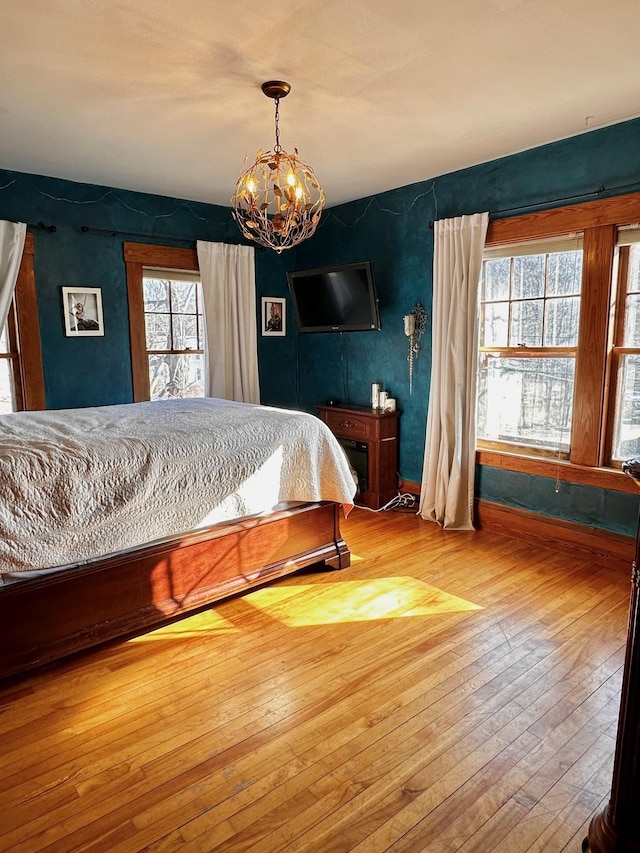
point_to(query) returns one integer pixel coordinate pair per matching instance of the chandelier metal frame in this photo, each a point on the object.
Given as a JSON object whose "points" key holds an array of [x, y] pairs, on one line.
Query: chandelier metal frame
{"points": [[278, 200]]}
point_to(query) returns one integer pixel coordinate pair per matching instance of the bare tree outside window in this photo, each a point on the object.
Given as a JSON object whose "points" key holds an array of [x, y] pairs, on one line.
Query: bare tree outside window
{"points": [[7, 386], [626, 433], [174, 326], [530, 311]]}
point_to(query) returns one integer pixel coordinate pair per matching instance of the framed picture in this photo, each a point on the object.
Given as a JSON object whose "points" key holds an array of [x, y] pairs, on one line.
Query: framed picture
{"points": [[82, 308], [274, 316]]}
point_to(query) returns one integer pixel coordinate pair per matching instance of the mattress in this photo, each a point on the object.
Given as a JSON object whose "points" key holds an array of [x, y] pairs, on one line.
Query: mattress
{"points": [[79, 484]]}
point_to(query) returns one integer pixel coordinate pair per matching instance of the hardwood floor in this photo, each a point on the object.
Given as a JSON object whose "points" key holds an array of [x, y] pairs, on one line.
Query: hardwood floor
{"points": [[448, 692]]}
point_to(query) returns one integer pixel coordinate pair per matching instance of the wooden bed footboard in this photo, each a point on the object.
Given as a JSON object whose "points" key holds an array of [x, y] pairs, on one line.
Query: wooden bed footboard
{"points": [[47, 618]]}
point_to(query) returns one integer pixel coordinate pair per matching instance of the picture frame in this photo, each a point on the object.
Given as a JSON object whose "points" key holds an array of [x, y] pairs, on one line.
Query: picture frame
{"points": [[82, 309], [274, 316]]}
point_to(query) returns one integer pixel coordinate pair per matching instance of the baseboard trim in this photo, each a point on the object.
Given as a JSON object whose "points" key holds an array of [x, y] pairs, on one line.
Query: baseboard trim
{"points": [[603, 547], [409, 486]]}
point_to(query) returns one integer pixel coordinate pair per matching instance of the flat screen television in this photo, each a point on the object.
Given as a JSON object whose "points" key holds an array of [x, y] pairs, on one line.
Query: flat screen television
{"points": [[335, 299]]}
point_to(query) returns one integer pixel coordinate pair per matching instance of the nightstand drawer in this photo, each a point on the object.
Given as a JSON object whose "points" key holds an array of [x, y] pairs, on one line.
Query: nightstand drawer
{"points": [[347, 425]]}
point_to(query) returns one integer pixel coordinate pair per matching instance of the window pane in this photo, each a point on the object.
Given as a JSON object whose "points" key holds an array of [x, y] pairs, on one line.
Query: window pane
{"points": [[632, 321], [632, 305], [7, 392], [4, 340], [172, 376], [173, 321], [561, 322], [528, 276], [633, 278], [495, 324], [526, 323], [626, 439], [156, 295], [185, 331], [526, 401], [564, 275], [183, 297], [496, 279], [158, 329]]}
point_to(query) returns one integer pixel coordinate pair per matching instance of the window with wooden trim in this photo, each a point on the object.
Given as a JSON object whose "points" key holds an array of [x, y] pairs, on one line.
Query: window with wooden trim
{"points": [[624, 420], [529, 314], [10, 374], [559, 371], [165, 321], [174, 333], [21, 374]]}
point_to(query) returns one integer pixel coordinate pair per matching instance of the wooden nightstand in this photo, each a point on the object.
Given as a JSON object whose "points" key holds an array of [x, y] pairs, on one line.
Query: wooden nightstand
{"points": [[370, 440]]}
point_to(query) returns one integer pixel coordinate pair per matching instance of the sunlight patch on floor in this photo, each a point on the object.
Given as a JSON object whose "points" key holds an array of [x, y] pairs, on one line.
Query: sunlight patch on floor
{"points": [[355, 601], [209, 624], [300, 605]]}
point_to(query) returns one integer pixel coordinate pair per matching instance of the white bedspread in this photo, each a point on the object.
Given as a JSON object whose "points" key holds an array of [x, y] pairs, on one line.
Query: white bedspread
{"points": [[81, 483]]}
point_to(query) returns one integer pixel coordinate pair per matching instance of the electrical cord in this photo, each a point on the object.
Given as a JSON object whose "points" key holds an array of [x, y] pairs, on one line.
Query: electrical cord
{"points": [[400, 503]]}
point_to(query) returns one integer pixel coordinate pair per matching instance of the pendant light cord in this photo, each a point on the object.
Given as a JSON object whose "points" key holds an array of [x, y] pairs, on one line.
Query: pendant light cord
{"points": [[278, 147]]}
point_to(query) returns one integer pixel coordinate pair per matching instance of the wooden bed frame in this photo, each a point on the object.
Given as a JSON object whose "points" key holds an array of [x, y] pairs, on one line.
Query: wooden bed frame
{"points": [[44, 619]]}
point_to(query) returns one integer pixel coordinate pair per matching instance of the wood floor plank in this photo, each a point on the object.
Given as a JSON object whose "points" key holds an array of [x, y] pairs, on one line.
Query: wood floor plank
{"points": [[451, 691]]}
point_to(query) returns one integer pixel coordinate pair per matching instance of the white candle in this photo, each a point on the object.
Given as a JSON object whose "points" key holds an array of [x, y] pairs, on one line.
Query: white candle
{"points": [[375, 395]]}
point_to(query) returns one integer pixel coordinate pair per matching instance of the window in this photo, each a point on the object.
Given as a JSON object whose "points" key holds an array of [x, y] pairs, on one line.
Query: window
{"points": [[165, 322], [625, 369], [21, 376], [529, 313], [10, 374], [174, 333], [559, 369]]}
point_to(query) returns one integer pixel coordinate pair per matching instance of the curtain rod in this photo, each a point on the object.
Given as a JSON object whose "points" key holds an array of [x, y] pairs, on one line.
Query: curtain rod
{"points": [[112, 232], [535, 204], [40, 226]]}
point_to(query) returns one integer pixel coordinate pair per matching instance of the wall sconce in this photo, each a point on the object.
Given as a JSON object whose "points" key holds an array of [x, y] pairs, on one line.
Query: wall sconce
{"points": [[414, 326]]}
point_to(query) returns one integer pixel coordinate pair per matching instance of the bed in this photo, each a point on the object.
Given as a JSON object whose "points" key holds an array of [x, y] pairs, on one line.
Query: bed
{"points": [[115, 519]]}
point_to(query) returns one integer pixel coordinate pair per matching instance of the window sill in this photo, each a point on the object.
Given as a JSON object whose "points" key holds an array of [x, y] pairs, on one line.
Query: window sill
{"points": [[604, 478]]}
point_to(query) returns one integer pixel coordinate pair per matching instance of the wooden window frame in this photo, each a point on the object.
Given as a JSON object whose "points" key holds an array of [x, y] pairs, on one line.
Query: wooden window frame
{"points": [[24, 336], [137, 256], [598, 221], [617, 348]]}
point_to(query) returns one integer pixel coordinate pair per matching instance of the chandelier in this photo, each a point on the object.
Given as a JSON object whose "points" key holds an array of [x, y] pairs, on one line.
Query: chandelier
{"points": [[278, 200]]}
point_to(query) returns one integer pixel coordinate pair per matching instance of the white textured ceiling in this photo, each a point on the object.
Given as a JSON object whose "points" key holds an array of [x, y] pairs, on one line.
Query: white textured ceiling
{"points": [[163, 96]]}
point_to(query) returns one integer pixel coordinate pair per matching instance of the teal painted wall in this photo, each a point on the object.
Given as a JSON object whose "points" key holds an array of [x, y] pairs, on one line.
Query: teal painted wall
{"points": [[392, 230], [97, 370], [614, 511]]}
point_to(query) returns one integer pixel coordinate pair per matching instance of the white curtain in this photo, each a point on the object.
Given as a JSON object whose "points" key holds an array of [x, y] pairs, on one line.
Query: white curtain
{"points": [[229, 293], [449, 459], [12, 237]]}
